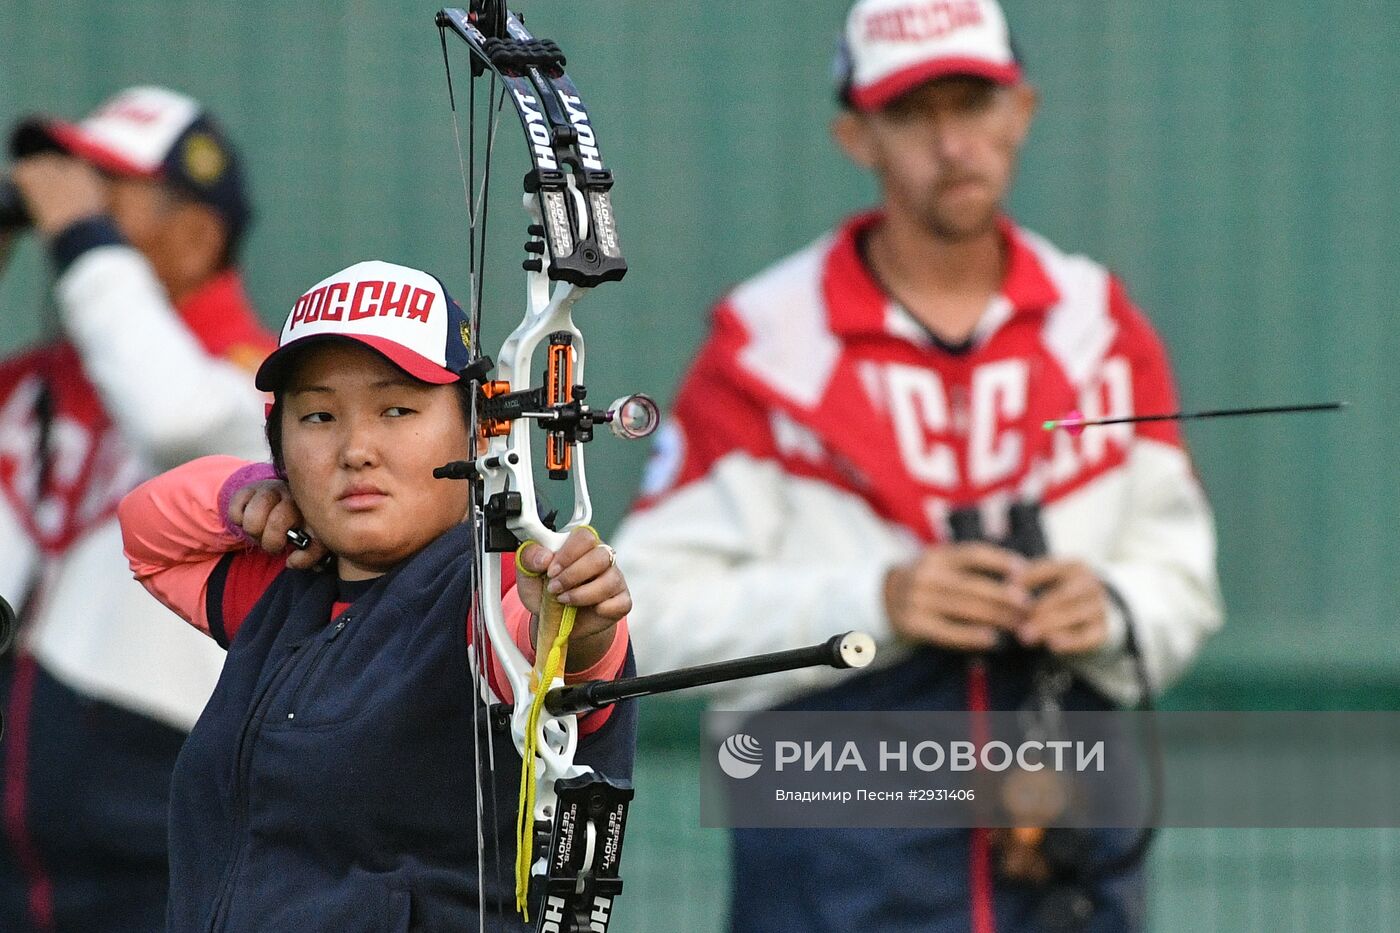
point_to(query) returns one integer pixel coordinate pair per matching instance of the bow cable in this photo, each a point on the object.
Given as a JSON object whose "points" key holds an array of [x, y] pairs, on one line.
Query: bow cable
{"points": [[478, 657]]}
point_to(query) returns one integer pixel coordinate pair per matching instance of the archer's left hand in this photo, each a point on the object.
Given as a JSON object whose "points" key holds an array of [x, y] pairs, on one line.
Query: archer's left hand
{"points": [[583, 574], [1070, 612]]}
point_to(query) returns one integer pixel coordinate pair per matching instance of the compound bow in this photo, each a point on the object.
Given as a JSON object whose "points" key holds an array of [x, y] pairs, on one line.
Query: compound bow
{"points": [[570, 825]]}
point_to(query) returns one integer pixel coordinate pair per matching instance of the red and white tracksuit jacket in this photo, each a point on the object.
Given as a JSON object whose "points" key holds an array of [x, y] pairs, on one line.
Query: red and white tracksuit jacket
{"points": [[822, 437]]}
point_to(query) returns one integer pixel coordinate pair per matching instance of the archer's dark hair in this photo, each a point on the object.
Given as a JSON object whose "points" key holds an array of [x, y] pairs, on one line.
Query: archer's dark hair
{"points": [[273, 427]]}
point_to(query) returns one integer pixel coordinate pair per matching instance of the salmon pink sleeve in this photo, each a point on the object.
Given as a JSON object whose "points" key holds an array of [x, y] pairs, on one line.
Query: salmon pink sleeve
{"points": [[177, 540]]}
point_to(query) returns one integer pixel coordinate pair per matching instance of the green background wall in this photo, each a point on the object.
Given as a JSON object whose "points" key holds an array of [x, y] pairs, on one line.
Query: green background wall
{"points": [[1237, 162]]}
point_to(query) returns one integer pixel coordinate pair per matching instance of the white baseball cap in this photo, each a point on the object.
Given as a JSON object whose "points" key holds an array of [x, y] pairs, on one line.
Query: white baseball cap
{"points": [[891, 47], [149, 132], [404, 314]]}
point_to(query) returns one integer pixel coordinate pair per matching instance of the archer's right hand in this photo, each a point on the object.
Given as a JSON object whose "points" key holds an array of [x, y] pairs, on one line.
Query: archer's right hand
{"points": [[266, 511], [958, 596]]}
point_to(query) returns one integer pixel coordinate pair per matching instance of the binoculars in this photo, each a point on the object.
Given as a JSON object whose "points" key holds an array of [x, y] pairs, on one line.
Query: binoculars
{"points": [[13, 214], [8, 622]]}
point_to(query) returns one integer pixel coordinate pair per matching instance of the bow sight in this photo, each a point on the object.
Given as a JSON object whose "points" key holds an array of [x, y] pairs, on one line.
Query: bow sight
{"points": [[559, 408]]}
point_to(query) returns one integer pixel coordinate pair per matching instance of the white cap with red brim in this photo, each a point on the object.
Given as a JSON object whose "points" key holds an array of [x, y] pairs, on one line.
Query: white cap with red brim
{"points": [[402, 313], [893, 46], [130, 134]]}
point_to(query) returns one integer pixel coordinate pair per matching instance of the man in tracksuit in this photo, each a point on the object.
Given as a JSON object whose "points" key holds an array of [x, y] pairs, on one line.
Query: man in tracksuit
{"points": [[859, 446], [142, 209]]}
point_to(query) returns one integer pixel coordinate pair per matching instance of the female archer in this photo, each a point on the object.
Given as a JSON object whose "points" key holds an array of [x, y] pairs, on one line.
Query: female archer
{"points": [[334, 780]]}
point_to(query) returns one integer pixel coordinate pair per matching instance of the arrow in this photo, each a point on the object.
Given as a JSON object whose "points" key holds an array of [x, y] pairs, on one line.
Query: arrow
{"points": [[1075, 422]]}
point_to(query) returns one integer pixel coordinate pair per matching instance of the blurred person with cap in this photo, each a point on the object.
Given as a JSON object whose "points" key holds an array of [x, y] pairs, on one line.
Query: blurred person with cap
{"points": [[859, 444], [142, 207]]}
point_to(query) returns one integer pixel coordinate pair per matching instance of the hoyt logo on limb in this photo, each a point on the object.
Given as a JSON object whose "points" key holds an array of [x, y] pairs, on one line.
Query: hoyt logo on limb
{"points": [[541, 142], [553, 921], [587, 143]]}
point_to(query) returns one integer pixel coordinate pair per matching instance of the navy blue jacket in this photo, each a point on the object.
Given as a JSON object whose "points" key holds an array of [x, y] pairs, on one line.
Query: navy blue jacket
{"points": [[330, 785]]}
